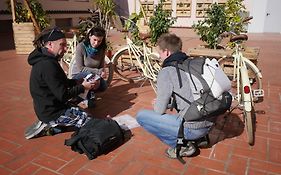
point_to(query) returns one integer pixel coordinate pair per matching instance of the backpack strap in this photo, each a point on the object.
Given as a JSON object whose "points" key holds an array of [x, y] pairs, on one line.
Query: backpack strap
{"points": [[88, 154], [72, 140], [178, 73], [187, 101], [188, 69], [180, 141]]}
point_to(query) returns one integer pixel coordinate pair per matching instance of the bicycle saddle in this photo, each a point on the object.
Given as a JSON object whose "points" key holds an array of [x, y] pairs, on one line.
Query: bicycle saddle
{"points": [[242, 37]]}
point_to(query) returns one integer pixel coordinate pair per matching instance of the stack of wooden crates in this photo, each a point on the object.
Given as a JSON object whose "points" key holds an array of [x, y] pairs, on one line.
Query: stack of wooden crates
{"points": [[23, 36], [251, 53]]}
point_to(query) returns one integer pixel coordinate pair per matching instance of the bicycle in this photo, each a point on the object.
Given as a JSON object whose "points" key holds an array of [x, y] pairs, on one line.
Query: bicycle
{"points": [[134, 63], [247, 82]]}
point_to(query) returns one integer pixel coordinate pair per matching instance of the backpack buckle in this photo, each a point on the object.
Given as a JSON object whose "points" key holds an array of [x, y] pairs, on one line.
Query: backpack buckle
{"points": [[180, 141]]}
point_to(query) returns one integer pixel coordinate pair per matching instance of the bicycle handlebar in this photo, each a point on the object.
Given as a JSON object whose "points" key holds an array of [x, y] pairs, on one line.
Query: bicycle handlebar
{"points": [[247, 19]]}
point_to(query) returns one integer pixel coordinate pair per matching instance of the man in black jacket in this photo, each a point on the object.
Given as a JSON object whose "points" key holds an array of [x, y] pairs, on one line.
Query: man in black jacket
{"points": [[49, 86]]}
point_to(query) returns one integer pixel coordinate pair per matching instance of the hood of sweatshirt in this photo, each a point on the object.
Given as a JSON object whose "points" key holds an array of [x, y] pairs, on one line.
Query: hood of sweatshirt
{"points": [[38, 55], [178, 57]]}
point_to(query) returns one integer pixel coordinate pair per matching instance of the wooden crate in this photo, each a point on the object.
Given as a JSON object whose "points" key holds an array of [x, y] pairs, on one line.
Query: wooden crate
{"points": [[251, 53], [23, 37]]}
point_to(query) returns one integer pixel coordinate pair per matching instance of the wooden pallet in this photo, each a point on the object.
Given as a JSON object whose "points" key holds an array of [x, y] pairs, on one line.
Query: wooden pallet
{"points": [[251, 53], [23, 37]]}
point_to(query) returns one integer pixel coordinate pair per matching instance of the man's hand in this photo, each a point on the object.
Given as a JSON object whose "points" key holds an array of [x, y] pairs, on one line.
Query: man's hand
{"points": [[103, 74], [153, 101], [88, 85], [96, 84]]}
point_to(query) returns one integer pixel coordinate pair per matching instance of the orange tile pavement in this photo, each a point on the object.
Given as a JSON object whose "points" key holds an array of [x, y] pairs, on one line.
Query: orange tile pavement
{"points": [[143, 154]]}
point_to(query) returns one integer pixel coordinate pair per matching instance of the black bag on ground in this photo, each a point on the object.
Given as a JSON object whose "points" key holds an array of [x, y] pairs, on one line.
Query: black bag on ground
{"points": [[96, 137]]}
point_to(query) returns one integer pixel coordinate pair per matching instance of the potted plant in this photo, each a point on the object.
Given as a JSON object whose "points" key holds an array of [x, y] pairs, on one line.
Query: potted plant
{"points": [[106, 11], [218, 19], [25, 17], [160, 22]]}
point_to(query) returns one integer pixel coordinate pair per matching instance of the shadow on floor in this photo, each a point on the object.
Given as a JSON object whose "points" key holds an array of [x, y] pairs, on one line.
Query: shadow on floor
{"points": [[227, 126], [114, 100]]}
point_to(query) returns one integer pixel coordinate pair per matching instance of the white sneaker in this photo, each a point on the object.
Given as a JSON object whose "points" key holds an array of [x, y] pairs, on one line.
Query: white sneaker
{"points": [[34, 129], [187, 151]]}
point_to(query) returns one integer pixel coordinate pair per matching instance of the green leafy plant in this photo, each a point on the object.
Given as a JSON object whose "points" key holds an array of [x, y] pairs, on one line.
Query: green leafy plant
{"points": [[236, 12], [107, 10], [212, 26], [131, 26], [22, 14], [160, 22], [219, 19]]}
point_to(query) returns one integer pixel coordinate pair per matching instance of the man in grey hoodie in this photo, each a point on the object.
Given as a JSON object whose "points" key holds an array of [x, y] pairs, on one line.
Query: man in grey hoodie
{"points": [[158, 122]]}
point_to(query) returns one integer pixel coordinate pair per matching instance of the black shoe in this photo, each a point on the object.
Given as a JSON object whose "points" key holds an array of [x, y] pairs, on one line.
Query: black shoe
{"points": [[203, 142], [35, 129]]}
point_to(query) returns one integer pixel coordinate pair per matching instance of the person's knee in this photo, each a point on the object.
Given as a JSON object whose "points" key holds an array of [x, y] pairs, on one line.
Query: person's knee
{"points": [[142, 116], [103, 86]]}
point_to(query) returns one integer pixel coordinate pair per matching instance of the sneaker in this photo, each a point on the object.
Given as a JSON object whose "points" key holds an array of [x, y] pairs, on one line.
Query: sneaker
{"points": [[187, 151], [35, 129], [203, 142]]}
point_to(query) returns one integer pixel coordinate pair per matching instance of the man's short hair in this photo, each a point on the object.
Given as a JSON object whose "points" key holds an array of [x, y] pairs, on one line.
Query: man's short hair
{"points": [[171, 42]]}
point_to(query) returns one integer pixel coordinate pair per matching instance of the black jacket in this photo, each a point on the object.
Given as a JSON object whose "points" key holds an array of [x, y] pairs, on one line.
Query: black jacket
{"points": [[49, 86]]}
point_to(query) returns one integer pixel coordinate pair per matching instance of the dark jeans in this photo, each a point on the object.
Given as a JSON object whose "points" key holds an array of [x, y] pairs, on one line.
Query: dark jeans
{"points": [[103, 84]]}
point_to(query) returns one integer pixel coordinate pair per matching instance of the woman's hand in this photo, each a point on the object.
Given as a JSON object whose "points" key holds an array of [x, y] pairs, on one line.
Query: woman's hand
{"points": [[103, 74]]}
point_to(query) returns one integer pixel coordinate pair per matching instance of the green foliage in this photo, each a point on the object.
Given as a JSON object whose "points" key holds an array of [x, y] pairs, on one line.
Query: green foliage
{"points": [[107, 10], [22, 15], [160, 22], [131, 26], [219, 19], [212, 26], [235, 11], [39, 14]]}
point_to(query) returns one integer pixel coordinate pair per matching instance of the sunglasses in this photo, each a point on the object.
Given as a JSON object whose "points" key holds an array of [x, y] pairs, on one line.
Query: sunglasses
{"points": [[56, 29]]}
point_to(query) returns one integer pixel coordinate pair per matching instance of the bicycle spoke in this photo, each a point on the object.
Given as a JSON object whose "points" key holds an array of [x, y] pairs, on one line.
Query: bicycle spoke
{"points": [[126, 66]]}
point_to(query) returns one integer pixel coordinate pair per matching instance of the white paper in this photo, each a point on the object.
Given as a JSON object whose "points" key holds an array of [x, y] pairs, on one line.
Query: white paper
{"points": [[126, 121]]}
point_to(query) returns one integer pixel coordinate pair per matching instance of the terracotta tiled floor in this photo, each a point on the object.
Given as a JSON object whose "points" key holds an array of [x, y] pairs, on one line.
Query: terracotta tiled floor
{"points": [[143, 154]]}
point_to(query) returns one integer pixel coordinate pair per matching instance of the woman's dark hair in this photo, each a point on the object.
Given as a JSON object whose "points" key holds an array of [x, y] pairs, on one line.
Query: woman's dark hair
{"points": [[98, 32]]}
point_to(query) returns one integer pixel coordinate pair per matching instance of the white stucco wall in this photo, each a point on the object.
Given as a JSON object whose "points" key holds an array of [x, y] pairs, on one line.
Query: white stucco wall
{"points": [[257, 10]]}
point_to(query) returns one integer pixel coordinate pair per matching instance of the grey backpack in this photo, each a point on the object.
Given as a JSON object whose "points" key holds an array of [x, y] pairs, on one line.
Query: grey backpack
{"points": [[209, 85]]}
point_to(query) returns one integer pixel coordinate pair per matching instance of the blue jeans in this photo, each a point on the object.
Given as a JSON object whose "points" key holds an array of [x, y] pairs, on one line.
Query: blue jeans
{"points": [[166, 127], [103, 84]]}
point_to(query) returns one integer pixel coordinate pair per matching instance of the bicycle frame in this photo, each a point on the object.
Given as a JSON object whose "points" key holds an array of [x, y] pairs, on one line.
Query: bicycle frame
{"points": [[244, 96], [140, 58], [240, 71], [143, 59]]}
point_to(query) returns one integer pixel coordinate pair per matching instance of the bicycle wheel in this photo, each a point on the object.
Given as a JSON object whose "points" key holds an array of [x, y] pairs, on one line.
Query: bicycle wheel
{"points": [[109, 73], [249, 125], [126, 66]]}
